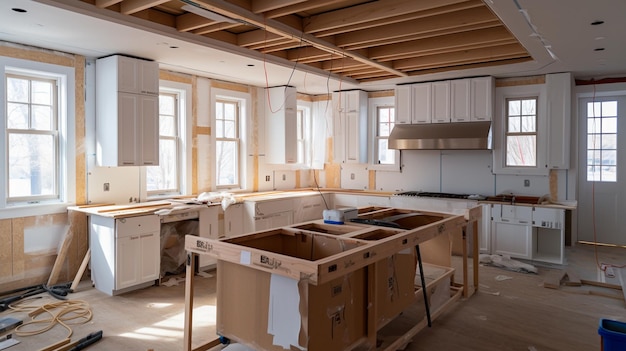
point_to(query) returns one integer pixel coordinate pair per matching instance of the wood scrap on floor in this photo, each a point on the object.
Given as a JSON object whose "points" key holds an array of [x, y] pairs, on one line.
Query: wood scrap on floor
{"points": [[569, 278]]}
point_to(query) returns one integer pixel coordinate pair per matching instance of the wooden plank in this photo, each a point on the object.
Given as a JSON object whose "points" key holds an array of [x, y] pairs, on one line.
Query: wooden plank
{"points": [[62, 254], [80, 181], [622, 280], [189, 277], [6, 249], [81, 270], [572, 279], [553, 280]]}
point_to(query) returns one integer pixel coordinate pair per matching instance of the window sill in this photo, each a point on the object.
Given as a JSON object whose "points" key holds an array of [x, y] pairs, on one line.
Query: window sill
{"points": [[30, 210]]}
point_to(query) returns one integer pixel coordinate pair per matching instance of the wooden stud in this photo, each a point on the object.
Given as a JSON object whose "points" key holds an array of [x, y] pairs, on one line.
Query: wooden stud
{"points": [[189, 277]]}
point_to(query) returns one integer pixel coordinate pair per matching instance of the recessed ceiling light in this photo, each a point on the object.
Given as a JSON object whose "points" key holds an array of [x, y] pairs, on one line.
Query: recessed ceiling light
{"points": [[17, 9], [597, 23], [598, 49]]}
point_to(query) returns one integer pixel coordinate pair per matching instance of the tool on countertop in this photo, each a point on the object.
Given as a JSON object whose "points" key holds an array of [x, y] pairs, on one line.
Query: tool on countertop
{"points": [[7, 341]]}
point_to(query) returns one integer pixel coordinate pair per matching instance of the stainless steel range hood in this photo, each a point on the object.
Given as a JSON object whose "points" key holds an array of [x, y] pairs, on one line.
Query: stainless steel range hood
{"points": [[441, 136]]}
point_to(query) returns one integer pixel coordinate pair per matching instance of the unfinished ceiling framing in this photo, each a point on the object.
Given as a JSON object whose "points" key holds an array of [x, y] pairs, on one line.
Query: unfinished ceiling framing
{"points": [[362, 40]]}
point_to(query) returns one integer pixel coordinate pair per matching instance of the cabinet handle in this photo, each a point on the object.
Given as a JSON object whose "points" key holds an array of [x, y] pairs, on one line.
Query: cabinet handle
{"points": [[525, 222], [229, 226], [504, 219], [148, 163], [147, 235], [134, 237]]}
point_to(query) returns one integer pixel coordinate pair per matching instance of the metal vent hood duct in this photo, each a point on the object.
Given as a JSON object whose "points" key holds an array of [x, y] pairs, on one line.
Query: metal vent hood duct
{"points": [[441, 136]]}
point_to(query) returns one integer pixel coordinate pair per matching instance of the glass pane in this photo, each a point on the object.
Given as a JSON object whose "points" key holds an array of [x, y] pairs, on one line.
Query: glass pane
{"points": [[219, 110], [229, 112], [593, 141], [521, 151], [385, 129], [167, 125], [166, 105], [42, 118], [609, 125], [219, 128], [609, 109], [229, 129], [17, 90], [385, 155], [32, 165], [165, 175], [226, 158], [42, 93], [300, 150], [528, 124], [609, 141], [514, 125], [514, 108], [594, 109], [17, 116], [593, 173], [529, 107], [593, 158], [594, 125]]}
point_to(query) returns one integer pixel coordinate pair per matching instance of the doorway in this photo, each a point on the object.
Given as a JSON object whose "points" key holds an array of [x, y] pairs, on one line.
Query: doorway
{"points": [[601, 171]]}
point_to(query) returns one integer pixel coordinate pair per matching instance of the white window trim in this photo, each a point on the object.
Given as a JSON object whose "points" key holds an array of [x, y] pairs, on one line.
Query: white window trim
{"points": [[185, 121], [67, 151], [499, 127], [245, 100], [373, 105]]}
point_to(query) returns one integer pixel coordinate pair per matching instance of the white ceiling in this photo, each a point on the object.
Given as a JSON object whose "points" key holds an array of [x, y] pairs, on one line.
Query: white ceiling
{"points": [[557, 33]]}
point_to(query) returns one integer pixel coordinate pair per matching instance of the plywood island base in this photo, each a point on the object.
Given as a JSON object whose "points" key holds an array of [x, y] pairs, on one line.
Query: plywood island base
{"points": [[323, 287]]}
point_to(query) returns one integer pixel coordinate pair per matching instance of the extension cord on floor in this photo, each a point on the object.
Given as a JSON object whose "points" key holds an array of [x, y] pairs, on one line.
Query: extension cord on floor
{"points": [[608, 270]]}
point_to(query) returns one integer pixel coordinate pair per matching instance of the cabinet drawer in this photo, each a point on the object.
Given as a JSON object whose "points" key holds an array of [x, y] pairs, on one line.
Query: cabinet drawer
{"points": [[270, 207], [137, 225], [517, 214]]}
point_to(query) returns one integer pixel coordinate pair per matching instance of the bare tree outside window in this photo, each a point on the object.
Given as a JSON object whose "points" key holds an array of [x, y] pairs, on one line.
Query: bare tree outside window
{"points": [[521, 132], [602, 141]]}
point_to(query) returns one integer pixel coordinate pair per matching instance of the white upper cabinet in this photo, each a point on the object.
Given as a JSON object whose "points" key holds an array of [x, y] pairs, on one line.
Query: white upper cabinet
{"points": [[422, 103], [281, 125], [441, 102], [127, 112], [460, 100], [559, 91], [472, 99], [481, 98], [404, 104], [350, 126]]}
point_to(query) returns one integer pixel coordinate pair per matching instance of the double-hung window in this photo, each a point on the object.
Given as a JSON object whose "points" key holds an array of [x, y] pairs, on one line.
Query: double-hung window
{"points": [[165, 178], [383, 116], [227, 143], [37, 142], [521, 132]]}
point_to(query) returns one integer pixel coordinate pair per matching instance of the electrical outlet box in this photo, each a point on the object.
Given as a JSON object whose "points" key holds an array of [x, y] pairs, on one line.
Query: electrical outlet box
{"points": [[526, 182]]}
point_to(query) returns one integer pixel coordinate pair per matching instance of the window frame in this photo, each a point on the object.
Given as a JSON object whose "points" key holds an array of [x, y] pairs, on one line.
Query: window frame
{"points": [[508, 133], [373, 107], [66, 162], [244, 101], [502, 95], [600, 135]]}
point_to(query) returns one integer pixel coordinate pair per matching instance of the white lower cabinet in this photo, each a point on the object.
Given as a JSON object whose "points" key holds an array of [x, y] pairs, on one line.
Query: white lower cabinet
{"points": [[232, 224], [528, 232], [208, 218], [267, 214], [310, 208], [125, 252]]}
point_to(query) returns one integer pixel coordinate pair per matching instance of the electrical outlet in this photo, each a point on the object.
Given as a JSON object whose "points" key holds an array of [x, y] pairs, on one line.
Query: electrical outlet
{"points": [[526, 182], [284, 177], [352, 176], [267, 178], [106, 187]]}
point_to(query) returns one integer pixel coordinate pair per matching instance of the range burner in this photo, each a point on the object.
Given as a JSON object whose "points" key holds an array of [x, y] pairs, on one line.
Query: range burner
{"points": [[439, 195]]}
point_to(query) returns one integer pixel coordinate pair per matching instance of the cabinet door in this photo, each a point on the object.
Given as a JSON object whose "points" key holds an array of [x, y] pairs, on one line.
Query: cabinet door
{"points": [[512, 239], [559, 91], [127, 257], [149, 117], [460, 100], [127, 73], [441, 102], [233, 220], [128, 145], [148, 72], [339, 137], [482, 90], [208, 228], [404, 109], [353, 147], [422, 103], [149, 257]]}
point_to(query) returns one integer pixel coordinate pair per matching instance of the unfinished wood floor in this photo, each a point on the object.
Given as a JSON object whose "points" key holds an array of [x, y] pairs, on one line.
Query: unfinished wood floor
{"points": [[512, 311]]}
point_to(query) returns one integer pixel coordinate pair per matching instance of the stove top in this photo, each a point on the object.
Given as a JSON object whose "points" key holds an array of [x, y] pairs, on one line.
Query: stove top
{"points": [[441, 195]]}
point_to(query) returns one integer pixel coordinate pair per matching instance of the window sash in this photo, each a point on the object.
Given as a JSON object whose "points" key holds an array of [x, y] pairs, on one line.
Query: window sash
{"points": [[227, 159], [521, 133], [384, 155], [166, 177], [47, 184]]}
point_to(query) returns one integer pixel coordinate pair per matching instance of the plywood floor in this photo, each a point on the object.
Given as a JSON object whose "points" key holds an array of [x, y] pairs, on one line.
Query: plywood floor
{"points": [[512, 311]]}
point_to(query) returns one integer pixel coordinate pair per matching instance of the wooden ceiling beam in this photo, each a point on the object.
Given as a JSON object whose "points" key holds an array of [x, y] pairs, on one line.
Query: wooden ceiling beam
{"points": [[444, 43], [387, 10], [302, 6], [282, 47], [227, 9], [128, 7], [274, 44], [215, 27], [442, 23], [342, 65], [462, 57], [190, 21], [256, 37], [268, 5], [106, 3], [409, 55], [470, 66]]}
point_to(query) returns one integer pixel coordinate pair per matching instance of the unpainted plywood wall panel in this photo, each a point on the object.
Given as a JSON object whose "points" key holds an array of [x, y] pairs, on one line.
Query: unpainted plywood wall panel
{"points": [[6, 249], [17, 233], [80, 183]]}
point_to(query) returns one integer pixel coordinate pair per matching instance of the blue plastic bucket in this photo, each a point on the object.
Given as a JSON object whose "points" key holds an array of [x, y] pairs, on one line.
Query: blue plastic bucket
{"points": [[613, 335]]}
